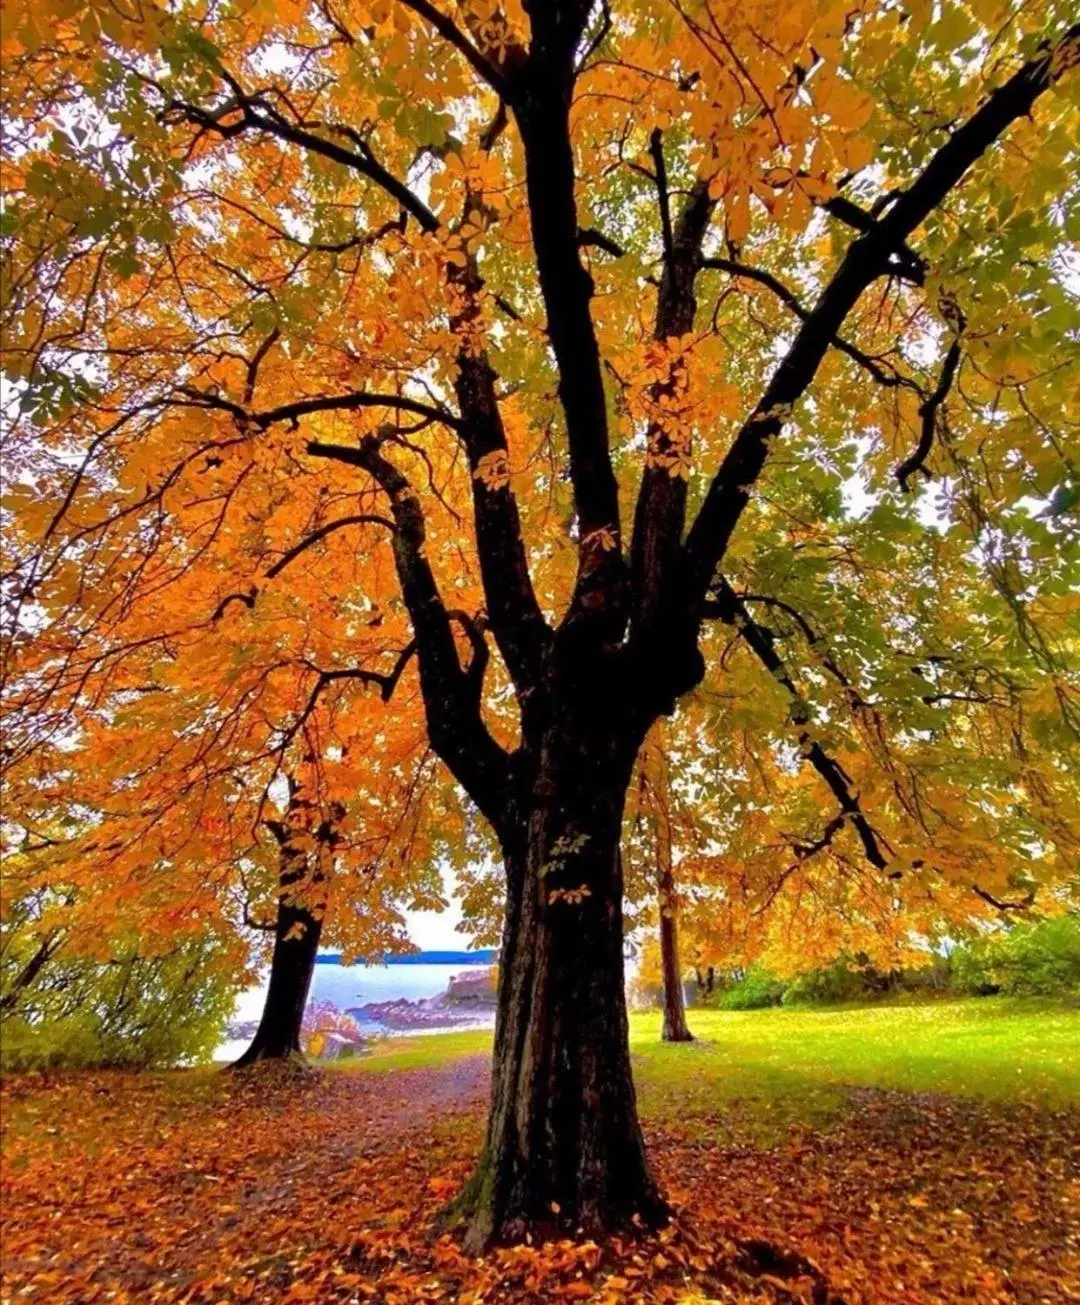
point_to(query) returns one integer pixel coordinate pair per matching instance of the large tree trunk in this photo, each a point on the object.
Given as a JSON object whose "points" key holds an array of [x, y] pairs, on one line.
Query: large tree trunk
{"points": [[296, 942], [564, 1150]]}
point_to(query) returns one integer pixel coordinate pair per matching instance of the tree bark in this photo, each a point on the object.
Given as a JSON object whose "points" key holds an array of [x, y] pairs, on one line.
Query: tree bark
{"points": [[296, 943], [564, 1150], [675, 1026]]}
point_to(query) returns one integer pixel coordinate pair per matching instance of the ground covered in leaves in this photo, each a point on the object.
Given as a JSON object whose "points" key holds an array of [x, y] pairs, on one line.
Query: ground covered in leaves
{"points": [[212, 1187]]}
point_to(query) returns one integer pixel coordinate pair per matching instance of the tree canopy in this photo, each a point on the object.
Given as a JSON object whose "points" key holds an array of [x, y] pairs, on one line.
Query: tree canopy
{"points": [[391, 382]]}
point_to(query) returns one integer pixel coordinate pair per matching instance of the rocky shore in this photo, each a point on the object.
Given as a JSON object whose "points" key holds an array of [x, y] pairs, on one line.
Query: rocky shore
{"points": [[468, 1002]]}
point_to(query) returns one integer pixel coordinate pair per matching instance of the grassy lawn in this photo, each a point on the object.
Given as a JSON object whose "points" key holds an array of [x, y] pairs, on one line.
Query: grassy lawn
{"points": [[425, 1051], [997, 1048]]}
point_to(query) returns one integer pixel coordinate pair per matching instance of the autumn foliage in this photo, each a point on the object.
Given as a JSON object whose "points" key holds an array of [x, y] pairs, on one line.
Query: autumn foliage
{"points": [[410, 406]]}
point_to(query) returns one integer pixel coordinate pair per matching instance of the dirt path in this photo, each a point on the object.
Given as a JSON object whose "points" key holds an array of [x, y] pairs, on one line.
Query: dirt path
{"points": [[165, 1187]]}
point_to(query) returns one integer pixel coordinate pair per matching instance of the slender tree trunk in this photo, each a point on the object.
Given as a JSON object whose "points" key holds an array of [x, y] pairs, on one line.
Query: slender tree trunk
{"points": [[31, 970], [564, 1150], [675, 1026], [296, 942]]}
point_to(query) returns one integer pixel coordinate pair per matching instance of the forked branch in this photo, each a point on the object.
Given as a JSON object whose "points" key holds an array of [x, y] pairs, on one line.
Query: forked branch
{"points": [[867, 258]]}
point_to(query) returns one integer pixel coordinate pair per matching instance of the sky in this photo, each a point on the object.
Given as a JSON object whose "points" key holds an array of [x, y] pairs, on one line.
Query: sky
{"points": [[435, 930]]}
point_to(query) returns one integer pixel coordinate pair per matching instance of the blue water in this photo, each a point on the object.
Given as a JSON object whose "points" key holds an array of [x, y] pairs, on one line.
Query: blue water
{"points": [[353, 985]]}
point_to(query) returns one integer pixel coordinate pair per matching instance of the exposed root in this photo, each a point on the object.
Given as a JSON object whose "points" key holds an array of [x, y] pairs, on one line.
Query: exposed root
{"points": [[292, 1065]]}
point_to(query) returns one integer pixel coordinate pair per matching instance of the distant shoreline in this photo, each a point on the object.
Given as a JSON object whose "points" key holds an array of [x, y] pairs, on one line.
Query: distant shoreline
{"points": [[487, 956]]}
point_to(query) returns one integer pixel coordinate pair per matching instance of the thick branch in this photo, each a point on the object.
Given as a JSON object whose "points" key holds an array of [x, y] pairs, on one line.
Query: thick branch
{"points": [[909, 265], [514, 614], [656, 150], [867, 258], [661, 504], [541, 106], [451, 694]]}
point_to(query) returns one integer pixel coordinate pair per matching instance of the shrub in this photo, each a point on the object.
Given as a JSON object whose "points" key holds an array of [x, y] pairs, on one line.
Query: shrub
{"points": [[757, 990], [129, 1009], [843, 981], [1027, 959]]}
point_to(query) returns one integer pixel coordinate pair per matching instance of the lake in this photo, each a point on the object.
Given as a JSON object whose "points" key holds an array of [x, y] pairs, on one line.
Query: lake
{"points": [[352, 985]]}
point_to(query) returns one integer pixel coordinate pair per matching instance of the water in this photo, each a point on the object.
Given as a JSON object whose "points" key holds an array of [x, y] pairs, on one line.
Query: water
{"points": [[353, 985]]}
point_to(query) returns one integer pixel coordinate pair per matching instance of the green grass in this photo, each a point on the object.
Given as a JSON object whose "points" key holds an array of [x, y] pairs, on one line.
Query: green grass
{"points": [[428, 1051], [776, 1067], [760, 1072], [989, 1047]]}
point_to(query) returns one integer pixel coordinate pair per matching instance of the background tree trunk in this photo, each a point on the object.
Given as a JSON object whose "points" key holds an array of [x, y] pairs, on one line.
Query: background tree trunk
{"points": [[564, 1149], [675, 1026], [296, 943]]}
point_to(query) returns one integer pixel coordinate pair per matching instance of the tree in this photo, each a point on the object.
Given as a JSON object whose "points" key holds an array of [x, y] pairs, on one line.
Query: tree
{"points": [[212, 770], [298, 922], [655, 807], [266, 260]]}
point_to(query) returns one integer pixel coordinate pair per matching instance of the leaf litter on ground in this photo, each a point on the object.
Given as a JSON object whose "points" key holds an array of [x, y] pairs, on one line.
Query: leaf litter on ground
{"points": [[216, 1187]]}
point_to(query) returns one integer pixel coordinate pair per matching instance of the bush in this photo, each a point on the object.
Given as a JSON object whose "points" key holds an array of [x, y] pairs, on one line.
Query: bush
{"points": [[843, 981], [1028, 959], [757, 990], [131, 1009]]}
